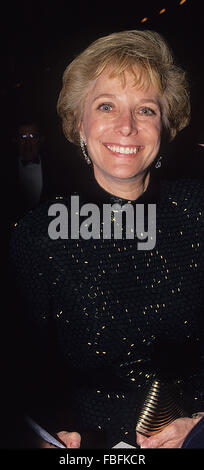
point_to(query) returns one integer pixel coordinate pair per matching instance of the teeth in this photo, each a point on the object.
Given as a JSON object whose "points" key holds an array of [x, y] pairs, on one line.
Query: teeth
{"points": [[126, 150]]}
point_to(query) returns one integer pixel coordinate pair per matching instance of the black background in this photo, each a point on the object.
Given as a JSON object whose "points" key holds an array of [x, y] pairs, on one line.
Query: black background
{"points": [[39, 39]]}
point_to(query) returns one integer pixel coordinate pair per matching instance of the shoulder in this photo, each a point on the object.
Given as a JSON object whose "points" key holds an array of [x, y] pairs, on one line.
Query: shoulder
{"points": [[31, 232], [181, 205], [184, 193]]}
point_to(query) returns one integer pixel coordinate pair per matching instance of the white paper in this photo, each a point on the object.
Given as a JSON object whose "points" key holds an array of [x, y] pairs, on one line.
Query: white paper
{"points": [[123, 445]]}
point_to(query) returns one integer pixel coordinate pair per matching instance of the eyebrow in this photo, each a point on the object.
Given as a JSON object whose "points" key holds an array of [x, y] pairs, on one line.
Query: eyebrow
{"points": [[110, 95], [104, 95], [146, 100]]}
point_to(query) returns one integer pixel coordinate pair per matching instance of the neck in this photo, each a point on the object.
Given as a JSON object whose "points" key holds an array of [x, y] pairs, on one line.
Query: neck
{"points": [[129, 189]]}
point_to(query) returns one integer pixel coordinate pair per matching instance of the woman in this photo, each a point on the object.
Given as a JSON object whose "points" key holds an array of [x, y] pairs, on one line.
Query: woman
{"points": [[122, 318]]}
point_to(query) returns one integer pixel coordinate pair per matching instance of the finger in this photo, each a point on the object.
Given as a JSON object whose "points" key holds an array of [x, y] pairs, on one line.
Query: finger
{"points": [[167, 437], [71, 439], [173, 434], [75, 440], [158, 440], [171, 445], [155, 442], [140, 438]]}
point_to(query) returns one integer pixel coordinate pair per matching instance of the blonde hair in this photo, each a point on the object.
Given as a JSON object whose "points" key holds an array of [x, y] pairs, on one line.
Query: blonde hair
{"points": [[120, 52]]}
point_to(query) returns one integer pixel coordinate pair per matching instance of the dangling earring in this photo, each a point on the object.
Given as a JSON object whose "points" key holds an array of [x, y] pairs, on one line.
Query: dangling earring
{"points": [[83, 148], [158, 164]]}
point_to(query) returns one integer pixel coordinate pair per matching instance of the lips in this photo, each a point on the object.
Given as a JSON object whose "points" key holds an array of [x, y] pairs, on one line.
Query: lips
{"points": [[124, 150]]}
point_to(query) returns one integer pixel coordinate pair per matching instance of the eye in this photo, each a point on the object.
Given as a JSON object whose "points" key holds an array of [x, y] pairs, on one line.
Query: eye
{"points": [[147, 111], [105, 107]]}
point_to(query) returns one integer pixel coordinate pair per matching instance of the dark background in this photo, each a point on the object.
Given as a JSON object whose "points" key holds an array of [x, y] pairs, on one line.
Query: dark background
{"points": [[39, 39]]}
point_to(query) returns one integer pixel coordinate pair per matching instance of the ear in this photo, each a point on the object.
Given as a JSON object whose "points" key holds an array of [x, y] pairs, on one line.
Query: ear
{"points": [[81, 131]]}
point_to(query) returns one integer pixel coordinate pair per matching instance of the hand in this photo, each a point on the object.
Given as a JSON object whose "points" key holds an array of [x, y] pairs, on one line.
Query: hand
{"points": [[172, 436], [70, 439]]}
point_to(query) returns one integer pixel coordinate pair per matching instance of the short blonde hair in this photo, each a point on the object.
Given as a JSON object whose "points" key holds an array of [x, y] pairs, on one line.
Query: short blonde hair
{"points": [[120, 52]]}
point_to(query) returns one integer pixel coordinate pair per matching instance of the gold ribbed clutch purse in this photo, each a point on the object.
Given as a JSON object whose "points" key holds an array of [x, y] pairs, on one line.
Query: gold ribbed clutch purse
{"points": [[160, 408]]}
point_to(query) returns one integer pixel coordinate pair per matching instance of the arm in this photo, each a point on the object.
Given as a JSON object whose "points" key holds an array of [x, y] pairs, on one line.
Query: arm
{"points": [[41, 382]]}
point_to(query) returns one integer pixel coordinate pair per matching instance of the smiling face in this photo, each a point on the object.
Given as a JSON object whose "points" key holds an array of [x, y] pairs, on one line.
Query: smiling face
{"points": [[121, 126]]}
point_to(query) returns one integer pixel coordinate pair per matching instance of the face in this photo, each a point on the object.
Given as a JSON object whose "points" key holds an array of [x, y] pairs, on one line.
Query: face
{"points": [[121, 126], [28, 140]]}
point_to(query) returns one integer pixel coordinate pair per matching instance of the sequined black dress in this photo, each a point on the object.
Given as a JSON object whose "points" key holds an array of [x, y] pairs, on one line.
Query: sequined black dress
{"points": [[118, 315]]}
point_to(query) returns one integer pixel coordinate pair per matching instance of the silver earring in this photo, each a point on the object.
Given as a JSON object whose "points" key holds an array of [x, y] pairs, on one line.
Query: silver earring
{"points": [[158, 164], [83, 148]]}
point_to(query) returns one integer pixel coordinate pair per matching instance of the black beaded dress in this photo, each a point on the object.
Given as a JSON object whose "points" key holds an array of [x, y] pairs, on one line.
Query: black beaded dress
{"points": [[116, 317]]}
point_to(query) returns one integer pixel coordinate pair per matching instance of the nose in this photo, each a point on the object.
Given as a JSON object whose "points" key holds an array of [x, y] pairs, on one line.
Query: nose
{"points": [[126, 124]]}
